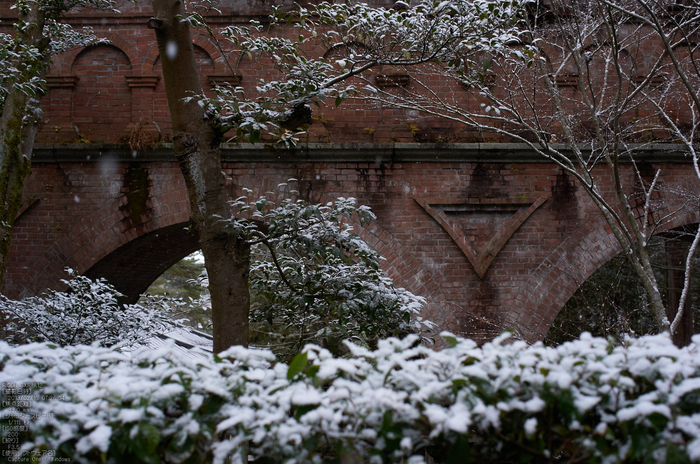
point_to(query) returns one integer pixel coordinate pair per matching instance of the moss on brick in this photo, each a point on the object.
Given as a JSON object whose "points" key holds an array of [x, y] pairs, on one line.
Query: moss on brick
{"points": [[136, 189]]}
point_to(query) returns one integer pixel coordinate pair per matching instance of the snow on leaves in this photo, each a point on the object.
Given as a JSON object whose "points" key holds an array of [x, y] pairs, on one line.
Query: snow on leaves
{"points": [[317, 282], [88, 312], [586, 400]]}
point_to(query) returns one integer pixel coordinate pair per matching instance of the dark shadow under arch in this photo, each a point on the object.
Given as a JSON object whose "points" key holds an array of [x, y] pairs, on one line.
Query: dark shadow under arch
{"points": [[610, 303], [573, 262], [134, 266]]}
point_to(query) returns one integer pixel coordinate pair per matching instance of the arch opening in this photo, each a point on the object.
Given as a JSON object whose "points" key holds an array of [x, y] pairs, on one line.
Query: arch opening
{"points": [[612, 301], [134, 266], [101, 108]]}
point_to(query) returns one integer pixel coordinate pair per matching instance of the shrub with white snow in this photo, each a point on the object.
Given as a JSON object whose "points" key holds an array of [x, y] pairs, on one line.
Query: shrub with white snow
{"points": [[87, 312], [584, 401]]}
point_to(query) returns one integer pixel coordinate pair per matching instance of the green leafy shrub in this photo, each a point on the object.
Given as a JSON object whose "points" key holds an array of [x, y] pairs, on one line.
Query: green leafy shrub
{"points": [[87, 312], [314, 281], [584, 401]]}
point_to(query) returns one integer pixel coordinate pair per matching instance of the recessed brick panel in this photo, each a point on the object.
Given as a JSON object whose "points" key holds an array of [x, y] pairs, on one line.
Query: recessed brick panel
{"points": [[102, 97]]}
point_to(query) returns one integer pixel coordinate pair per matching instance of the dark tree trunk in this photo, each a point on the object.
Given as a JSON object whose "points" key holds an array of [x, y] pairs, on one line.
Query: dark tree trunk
{"points": [[197, 147], [14, 170], [21, 115]]}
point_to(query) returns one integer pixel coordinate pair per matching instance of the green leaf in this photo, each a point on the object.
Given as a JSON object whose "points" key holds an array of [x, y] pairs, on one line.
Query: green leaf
{"points": [[312, 371], [459, 453], [297, 365], [338, 101], [457, 383], [147, 442], [690, 402], [451, 340], [312, 442], [676, 454], [301, 410], [658, 420]]}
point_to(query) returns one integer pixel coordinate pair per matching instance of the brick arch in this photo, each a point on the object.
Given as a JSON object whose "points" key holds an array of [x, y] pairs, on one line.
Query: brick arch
{"points": [[108, 227], [635, 64], [206, 44], [558, 277], [341, 50], [152, 55], [205, 65], [550, 54], [204, 61], [154, 253], [679, 107], [63, 63], [159, 249], [129, 262], [113, 40], [106, 240]]}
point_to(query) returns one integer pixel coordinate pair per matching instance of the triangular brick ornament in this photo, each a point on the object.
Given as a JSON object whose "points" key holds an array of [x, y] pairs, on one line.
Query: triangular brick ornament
{"points": [[482, 259]]}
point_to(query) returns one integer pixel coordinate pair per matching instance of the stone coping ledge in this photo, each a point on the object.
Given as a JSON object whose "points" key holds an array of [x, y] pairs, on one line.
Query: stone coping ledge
{"points": [[373, 153]]}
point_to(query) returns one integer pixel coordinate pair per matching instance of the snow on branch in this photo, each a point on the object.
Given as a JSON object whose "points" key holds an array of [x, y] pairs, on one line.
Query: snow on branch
{"points": [[315, 281]]}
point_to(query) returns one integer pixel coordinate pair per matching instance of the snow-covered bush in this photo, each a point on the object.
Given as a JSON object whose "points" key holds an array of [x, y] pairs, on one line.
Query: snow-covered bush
{"points": [[87, 312], [584, 401], [314, 281]]}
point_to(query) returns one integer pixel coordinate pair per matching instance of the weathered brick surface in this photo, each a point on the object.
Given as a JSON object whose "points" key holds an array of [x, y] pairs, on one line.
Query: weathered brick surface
{"points": [[84, 211], [99, 94], [81, 207]]}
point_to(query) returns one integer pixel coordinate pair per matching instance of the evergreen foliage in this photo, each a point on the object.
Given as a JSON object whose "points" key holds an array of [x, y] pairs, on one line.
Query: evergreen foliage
{"points": [[584, 401], [86, 313], [317, 282]]}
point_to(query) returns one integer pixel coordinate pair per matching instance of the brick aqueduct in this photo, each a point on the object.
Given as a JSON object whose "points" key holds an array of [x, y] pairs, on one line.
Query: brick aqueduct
{"points": [[489, 234]]}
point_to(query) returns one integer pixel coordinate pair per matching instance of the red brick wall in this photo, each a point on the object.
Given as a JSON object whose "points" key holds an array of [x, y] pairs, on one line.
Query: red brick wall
{"points": [[83, 211], [101, 104], [107, 90]]}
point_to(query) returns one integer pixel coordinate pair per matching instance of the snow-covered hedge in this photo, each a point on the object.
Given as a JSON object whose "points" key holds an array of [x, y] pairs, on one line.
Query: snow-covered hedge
{"points": [[584, 401]]}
